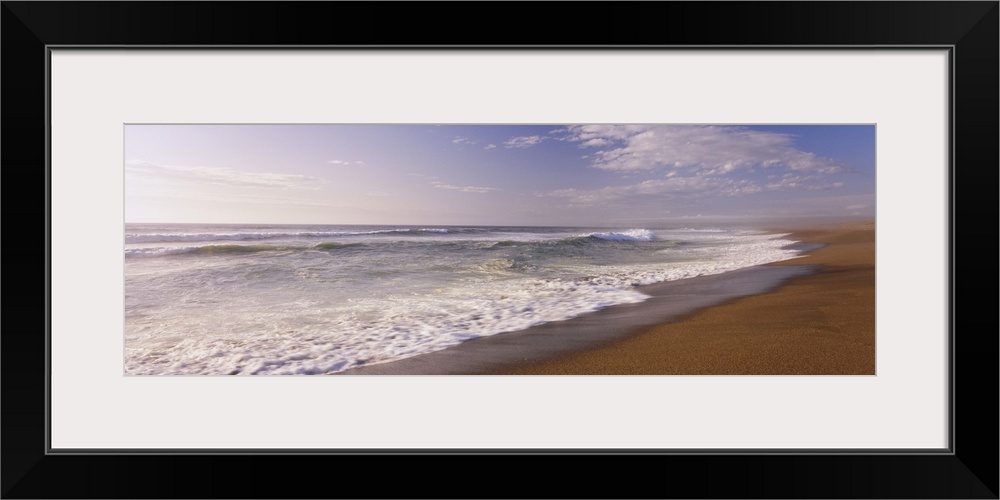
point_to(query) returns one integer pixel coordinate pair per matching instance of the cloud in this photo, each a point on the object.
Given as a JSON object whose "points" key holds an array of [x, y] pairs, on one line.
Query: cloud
{"points": [[464, 189], [462, 140], [222, 176], [674, 187], [346, 162], [523, 141], [802, 183], [855, 207], [252, 199], [490, 146], [700, 150], [597, 141]]}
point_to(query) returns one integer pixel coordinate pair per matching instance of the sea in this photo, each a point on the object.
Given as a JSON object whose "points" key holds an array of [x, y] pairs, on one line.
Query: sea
{"points": [[321, 299]]}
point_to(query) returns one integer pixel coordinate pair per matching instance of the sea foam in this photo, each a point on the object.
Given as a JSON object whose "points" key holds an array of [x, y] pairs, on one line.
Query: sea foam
{"points": [[294, 306], [630, 235]]}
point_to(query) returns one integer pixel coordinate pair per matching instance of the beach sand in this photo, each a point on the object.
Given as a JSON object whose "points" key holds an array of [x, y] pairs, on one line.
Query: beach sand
{"points": [[822, 323]]}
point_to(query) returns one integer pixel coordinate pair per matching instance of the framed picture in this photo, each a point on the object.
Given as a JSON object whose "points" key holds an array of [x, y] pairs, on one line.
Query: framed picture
{"points": [[157, 128]]}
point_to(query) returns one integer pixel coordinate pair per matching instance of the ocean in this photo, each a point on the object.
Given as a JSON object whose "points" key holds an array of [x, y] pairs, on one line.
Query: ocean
{"points": [[321, 299]]}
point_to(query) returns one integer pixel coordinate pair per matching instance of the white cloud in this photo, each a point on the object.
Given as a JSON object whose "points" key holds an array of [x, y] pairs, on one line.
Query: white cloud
{"points": [[672, 187], [346, 162], [222, 176], [701, 150], [523, 141], [597, 141], [462, 140], [464, 189], [249, 199], [802, 183], [490, 146]]}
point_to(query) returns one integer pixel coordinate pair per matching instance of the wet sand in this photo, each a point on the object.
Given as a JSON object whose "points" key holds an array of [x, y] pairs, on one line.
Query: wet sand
{"points": [[810, 315], [823, 323]]}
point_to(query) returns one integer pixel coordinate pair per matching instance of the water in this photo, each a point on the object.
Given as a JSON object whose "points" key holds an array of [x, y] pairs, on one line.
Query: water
{"points": [[248, 299]]}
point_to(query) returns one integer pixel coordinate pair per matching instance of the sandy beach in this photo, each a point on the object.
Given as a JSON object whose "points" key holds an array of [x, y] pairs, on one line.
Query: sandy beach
{"points": [[822, 324]]}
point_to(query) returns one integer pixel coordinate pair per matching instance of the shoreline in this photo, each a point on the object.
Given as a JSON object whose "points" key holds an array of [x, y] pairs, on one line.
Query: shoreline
{"points": [[669, 301], [819, 324], [628, 338]]}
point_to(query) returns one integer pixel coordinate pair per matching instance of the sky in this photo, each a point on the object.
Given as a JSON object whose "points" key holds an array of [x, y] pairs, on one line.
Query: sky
{"points": [[566, 175]]}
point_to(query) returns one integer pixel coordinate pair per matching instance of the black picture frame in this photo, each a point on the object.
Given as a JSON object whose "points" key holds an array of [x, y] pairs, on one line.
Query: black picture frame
{"points": [[969, 29]]}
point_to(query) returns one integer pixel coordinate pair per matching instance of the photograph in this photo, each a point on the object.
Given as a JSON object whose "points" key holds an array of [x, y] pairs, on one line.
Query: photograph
{"points": [[536, 249], [691, 250]]}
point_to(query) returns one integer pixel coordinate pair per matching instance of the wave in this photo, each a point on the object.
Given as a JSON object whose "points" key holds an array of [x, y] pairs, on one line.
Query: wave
{"points": [[193, 237], [332, 245], [205, 250], [505, 266], [630, 235], [320, 334], [229, 243], [234, 249], [581, 241]]}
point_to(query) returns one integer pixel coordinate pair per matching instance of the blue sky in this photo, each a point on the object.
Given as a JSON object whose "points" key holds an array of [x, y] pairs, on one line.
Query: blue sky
{"points": [[496, 174]]}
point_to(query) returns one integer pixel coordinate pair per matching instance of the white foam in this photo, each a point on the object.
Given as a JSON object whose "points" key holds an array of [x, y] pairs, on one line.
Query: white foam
{"points": [[332, 338], [259, 335], [630, 235], [157, 251]]}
